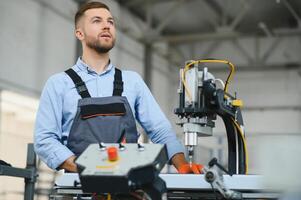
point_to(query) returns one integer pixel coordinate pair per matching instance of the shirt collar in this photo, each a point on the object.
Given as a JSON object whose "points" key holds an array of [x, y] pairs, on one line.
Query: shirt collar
{"points": [[85, 67]]}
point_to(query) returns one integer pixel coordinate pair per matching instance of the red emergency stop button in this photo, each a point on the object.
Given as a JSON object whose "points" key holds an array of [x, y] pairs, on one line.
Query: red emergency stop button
{"points": [[112, 153]]}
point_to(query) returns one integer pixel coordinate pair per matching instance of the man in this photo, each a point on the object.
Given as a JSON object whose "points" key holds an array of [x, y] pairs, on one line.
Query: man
{"points": [[96, 102]]}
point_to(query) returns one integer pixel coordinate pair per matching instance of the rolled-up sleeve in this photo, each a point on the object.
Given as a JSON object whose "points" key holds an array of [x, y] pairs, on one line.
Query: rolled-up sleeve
{"points": [[153, 120], [48, 126]]}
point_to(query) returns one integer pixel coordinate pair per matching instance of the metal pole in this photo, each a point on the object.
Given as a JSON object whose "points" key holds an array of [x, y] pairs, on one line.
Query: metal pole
{"points": [[30, 165]]}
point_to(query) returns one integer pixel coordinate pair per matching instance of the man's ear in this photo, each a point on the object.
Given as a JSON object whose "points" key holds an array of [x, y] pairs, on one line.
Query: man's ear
{"points": [[79, 34]]}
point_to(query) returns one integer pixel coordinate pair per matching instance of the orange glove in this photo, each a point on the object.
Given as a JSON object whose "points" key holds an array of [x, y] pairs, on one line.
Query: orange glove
{"points": [[193, 169]]}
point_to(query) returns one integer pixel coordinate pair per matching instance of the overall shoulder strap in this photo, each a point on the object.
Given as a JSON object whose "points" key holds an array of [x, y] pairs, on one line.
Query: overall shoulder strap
{"points": [[79, 83], [118, 83]]}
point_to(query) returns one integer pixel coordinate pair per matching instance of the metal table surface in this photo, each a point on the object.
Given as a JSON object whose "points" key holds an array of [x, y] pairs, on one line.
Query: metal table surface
{"points": [[186, 181], [187, 186]]}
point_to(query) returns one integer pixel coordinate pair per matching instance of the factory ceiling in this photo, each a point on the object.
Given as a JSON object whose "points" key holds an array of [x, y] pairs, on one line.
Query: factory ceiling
{"points": [[179, 21]]}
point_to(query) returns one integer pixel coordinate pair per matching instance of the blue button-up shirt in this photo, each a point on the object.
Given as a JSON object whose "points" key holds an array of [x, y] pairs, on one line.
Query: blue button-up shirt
{"points": [[58, 105]]}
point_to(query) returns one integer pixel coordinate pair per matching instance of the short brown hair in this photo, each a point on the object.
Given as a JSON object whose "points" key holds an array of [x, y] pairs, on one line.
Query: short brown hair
{"points": [[87, 6]]}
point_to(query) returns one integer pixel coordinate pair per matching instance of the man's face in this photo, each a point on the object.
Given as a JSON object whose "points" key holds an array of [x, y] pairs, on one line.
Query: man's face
{"points": [[97, 30]]}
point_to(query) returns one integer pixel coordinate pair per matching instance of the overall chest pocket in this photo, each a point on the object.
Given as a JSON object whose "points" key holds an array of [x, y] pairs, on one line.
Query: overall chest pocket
{"points": [[94, 110]]}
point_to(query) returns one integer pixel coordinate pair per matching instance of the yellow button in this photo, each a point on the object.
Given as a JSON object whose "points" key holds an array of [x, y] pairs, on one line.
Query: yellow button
{"points": [[237, 103]]}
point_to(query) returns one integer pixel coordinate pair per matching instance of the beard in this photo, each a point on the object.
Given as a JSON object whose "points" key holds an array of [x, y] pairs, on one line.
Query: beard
{"points": [[99, 46]]}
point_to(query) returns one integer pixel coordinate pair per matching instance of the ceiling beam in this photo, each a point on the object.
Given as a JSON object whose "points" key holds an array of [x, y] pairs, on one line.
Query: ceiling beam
{"points": [[215, 7], [242, 51], [169, 14], [265, 29], [260, 67], [236, 21], [185, 38], [292, 11], [271, 49], [197, 37]]}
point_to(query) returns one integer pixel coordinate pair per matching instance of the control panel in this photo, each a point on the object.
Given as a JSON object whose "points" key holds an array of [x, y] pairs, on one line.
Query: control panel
{"points": [[121, 168]]}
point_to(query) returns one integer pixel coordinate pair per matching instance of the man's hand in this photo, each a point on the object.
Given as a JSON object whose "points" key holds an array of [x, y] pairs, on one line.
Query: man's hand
{"points": [[69, 164], [188, 169], [183, 167]]}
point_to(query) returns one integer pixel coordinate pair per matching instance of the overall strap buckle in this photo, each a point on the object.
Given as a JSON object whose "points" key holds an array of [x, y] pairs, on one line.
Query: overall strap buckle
{"points": [[79, 83], [81, 87]]}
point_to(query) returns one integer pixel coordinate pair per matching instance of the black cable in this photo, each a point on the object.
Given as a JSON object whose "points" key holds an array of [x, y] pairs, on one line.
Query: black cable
{"points": [[231, 131], [242, 152]]}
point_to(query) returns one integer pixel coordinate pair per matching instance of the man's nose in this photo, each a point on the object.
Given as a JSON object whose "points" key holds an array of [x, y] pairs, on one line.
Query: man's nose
{"points": [[106, 25]]}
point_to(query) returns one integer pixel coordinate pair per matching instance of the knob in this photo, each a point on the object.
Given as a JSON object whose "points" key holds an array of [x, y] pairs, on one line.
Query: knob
{"points": [[140, 147], [102, 146], [121, 147], [112, 153]]}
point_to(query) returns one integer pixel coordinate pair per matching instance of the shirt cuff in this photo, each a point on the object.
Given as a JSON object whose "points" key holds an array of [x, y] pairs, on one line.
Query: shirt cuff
{"points": [[58, 157], [174, 148]]}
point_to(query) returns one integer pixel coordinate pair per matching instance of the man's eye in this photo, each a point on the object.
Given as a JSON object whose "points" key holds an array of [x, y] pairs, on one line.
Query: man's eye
{"points": [[96, 21], [111, 22]]}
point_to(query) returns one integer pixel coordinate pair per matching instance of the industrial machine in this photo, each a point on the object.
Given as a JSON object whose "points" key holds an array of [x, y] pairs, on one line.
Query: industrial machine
{"points": [[201, 101]]}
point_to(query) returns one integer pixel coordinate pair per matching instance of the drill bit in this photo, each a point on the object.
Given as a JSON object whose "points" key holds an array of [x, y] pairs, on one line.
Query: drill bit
{"points": [[190, 155], [190, 161]]}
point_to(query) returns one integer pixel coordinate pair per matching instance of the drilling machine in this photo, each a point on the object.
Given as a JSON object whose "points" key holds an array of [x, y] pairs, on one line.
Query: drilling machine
{"points": [[201, 101]]}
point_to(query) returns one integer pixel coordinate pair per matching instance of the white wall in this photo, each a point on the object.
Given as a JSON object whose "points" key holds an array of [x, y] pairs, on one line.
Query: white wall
{"points": [[36, 41]]}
